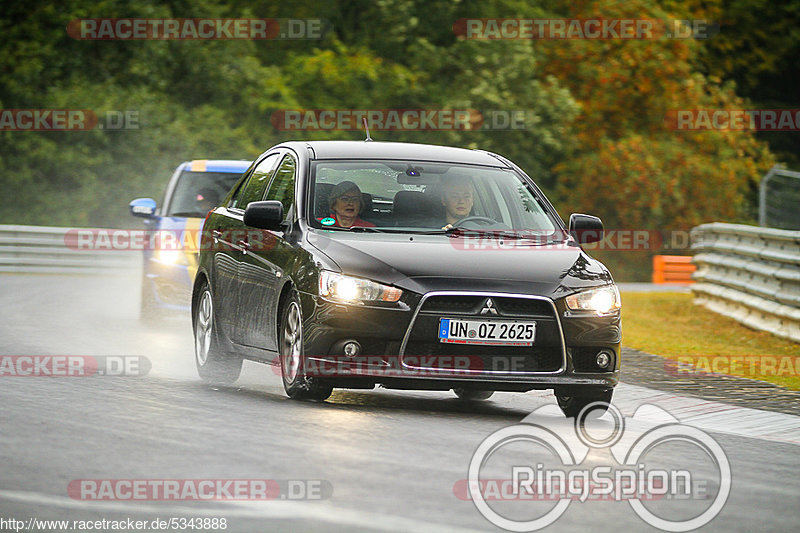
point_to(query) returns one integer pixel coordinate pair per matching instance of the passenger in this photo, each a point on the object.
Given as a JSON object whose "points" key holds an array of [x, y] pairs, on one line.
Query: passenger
{"points": [[345, 203], [458, 197]]}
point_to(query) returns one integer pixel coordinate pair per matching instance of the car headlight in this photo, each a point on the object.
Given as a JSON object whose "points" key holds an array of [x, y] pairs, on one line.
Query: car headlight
{"points": [[335, 286], [602, 300]]}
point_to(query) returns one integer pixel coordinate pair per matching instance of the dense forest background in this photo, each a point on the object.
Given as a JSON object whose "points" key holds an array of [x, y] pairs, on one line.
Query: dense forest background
{"points": [[599, 143]]}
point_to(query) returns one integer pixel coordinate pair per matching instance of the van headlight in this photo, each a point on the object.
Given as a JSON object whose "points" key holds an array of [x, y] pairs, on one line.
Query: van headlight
{"points": [[602, 300], [172, 257], [338, 287]]}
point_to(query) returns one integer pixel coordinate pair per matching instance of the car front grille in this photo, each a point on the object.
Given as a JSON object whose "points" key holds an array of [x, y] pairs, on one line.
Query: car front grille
{"points": [[472, 305], [424, 350]]}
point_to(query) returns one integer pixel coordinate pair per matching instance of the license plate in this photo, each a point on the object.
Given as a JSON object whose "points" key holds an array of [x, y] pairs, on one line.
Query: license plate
{"points": [[498, 333]]}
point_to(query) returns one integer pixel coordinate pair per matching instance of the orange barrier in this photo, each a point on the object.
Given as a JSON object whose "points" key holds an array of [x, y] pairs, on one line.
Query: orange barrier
{"points": [[672, 269]]}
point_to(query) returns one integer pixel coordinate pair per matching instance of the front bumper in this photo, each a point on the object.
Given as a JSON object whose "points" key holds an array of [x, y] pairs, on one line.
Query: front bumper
{"points": [[400, 346]]}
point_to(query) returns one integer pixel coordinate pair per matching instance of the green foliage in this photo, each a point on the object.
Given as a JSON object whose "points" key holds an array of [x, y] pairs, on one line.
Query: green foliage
{"points": [[596, 139], [628, 165]]}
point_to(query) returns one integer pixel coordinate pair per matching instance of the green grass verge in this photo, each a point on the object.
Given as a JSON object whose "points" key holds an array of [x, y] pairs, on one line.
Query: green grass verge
{"points": [[671, 325]]}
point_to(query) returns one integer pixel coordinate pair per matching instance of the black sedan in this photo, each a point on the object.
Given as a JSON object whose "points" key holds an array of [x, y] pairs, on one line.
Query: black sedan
{"points": [[355, 264]]}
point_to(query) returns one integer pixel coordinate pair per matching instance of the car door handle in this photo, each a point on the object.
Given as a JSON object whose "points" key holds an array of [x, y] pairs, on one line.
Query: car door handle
{"points": [[215, 235], [245, 246]]}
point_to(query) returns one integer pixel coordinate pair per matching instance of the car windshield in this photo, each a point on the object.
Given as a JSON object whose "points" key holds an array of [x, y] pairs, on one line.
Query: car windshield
{"points": [[423, 197], [197, 192]]}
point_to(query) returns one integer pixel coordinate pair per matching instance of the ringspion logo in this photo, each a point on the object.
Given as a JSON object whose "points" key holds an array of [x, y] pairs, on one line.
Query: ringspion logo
{"points": [[544, 460]]}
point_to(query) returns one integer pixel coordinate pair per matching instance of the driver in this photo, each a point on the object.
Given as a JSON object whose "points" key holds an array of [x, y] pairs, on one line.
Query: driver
{"points": [[345, 204], [206, 200], [458, 196]]}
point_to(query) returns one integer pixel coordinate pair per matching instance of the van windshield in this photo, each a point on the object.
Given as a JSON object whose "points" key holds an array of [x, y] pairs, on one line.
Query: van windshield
{"points": [[196, 193]]}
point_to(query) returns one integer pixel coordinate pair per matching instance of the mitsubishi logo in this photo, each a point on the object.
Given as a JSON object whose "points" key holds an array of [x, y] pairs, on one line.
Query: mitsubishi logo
{"points": [[488, 308]]}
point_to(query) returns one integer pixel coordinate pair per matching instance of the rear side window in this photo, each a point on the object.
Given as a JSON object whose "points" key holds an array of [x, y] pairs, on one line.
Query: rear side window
{"points": [[282, 188], [253, 189]]}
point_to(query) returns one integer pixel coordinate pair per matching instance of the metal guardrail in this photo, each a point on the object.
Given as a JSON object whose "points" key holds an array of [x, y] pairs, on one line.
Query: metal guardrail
{"points": [[43, 249], [750, 274], [778, 197]]}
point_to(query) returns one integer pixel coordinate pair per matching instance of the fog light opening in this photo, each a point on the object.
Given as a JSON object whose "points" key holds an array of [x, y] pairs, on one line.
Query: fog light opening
{"points": [[351, 348], [603, 359]]}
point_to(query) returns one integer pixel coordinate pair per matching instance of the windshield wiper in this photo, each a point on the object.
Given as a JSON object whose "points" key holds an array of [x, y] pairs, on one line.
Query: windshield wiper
{"points": [[451, 230], [364, 229], [498, 233]]}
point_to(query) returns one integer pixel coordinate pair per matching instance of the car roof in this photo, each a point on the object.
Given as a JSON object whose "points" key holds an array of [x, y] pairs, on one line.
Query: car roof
{"points": [[395, 150], [233, 166]]}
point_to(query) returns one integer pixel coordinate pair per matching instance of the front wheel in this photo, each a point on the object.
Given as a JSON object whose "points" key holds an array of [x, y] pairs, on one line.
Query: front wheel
{"points": [[297, 385], [213, 365], [571, 406]]}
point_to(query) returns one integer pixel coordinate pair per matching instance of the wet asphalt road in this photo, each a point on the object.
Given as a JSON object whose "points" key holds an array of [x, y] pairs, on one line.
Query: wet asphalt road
{"points": [[391, 459]]}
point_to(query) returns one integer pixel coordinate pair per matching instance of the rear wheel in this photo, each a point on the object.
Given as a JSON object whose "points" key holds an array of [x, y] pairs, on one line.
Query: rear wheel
{"points": [[571, 406], [296, 383], [213, 365], [473, 394]]}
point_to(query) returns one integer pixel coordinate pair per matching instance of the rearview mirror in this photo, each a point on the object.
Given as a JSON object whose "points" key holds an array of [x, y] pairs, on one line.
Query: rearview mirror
{"points": [[264, 215], [585, 228], [143, 207]]}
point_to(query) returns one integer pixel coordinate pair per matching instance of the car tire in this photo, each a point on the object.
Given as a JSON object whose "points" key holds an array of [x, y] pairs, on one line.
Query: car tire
{"points": [[213, 364], [472, 394], [571, 406], [297, 385]]}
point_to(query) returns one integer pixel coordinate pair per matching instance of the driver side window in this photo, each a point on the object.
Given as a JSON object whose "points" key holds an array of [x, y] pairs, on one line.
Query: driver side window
{"points": [[253, 189], [282, 188]]}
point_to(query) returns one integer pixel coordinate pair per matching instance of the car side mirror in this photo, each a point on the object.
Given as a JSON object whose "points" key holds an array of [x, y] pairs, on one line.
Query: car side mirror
{"points": [[585, 228], [264, 215], [143, 207]]}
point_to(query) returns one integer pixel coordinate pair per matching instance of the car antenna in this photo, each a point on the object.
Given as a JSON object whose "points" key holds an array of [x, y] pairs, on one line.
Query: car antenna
{"points": [[366, 127]]}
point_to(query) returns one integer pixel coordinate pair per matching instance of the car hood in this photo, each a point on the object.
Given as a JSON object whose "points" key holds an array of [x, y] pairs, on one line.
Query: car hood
{"points": [[423, 263]]}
